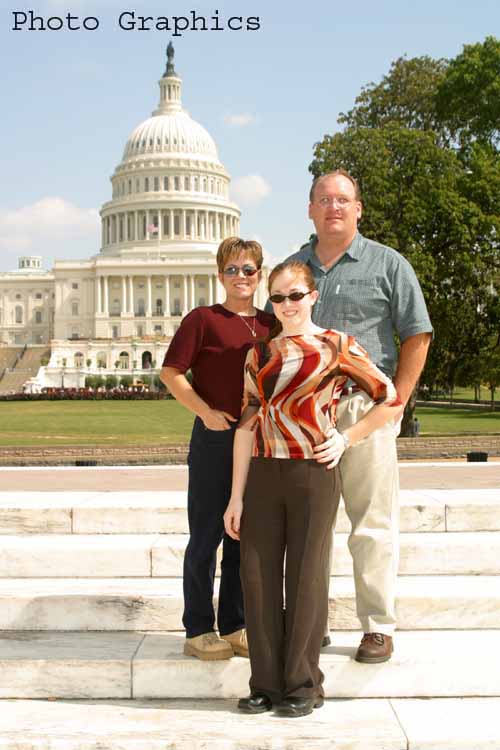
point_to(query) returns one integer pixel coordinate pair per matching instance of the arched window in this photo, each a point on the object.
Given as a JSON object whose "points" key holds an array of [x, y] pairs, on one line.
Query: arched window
{"points": [[79, 359], [124, 360], [147, 360], [19, 314], [101, 359]]}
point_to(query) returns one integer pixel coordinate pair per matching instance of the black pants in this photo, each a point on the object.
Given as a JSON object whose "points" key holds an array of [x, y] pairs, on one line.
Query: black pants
{"points": [[289, 507], [210, 472]]}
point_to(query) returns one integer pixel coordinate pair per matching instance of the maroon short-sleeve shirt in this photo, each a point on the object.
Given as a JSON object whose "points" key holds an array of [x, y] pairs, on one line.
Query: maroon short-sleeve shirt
{"points": [[213, 343]]}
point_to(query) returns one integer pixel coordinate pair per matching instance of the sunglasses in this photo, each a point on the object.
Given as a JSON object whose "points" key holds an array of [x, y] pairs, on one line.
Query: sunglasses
{"points": [[234, 270], [293, 297]]}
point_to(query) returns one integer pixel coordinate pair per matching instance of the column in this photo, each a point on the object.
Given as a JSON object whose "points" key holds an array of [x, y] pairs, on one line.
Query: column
{"points": [[148, 309], [147, 224], [210, 282], [184, 294], [183, 224], [217, 226], [124, 295], [171, 233], [106, 295], [160, 225], [193, 291], [125, 228], [131, 294], [207, 225], [136, 225], [167, 296], [98, 301]]}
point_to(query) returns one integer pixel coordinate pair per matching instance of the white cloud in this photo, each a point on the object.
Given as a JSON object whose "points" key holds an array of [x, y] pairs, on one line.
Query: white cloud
{"points": [[250, 189], [239, 120], [47, 222]]}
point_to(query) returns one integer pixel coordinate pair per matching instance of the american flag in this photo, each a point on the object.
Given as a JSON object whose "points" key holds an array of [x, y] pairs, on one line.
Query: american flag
{"points": [[152, 229]]}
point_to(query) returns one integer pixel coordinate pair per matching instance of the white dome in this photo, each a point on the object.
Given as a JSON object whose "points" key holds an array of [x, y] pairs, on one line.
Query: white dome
{"points": [[170, 134]]}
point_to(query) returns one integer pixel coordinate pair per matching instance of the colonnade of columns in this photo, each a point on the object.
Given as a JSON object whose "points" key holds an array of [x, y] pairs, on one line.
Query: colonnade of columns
{"points": [[168, 224], [137, 300]]}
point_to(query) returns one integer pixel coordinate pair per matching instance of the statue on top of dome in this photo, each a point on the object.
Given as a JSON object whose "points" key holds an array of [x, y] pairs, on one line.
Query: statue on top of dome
{"points": [[170, 70]]}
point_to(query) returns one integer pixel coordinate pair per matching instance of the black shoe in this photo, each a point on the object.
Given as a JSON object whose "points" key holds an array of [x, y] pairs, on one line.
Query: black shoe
{"points": [[294, 706], [256, 703], [327, 641]]}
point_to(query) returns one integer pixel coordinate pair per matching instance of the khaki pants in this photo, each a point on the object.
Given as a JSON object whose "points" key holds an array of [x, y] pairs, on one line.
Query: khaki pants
{"points": [[289, 507], [370, 487]]}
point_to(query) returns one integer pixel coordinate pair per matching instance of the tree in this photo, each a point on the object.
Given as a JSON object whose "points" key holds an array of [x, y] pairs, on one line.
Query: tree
{"points": [[406, 96], [468, 96], [110, 382], [126, 381], [430, 197]]}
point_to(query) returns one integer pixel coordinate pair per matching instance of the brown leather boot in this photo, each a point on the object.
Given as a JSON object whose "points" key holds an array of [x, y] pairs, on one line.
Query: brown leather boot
{"points": [[374, 648]]}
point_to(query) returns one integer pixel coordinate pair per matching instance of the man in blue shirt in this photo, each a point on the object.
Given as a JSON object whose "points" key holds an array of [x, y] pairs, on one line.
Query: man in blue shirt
{"points": [[370, 291]]}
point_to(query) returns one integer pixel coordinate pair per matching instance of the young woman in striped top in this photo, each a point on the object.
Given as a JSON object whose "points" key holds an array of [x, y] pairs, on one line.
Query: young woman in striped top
{"points": [[282, 493]]}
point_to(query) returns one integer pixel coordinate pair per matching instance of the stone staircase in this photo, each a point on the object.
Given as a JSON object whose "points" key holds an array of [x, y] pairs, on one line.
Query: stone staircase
{"points": [[90, 614]]}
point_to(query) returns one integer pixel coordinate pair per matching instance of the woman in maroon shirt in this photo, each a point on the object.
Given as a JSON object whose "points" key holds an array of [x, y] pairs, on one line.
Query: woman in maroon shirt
{"points": [[213, 343]]}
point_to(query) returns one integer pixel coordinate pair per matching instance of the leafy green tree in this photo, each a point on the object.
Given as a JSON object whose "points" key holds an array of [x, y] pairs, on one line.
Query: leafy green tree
{"points": [[468, 96], [431, 198], [406, 96], [111, 381]]}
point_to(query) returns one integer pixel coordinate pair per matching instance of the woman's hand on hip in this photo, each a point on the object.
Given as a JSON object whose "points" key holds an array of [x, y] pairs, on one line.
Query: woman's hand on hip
{"points": [[232, 518], [330, 452], [217, 420]]}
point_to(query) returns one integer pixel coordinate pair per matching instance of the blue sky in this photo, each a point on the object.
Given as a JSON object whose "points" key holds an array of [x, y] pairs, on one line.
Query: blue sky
{"points": [[70, 99]]}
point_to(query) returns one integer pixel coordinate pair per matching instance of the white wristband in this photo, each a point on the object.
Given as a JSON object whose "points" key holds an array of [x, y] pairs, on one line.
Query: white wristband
{"points": [[346, 439]]}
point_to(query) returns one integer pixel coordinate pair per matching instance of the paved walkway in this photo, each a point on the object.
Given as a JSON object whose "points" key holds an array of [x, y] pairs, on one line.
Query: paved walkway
{"points": [[413, 475]]}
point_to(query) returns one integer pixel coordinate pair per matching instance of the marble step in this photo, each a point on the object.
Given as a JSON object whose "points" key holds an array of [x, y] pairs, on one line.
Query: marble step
{"points": [[377, 724], [152, 666], [156, 604], [144, 555], [165, 512]]}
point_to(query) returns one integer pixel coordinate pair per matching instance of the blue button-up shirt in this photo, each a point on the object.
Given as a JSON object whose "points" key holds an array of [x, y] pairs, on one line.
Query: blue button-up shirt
{"points": [[372, 293]]}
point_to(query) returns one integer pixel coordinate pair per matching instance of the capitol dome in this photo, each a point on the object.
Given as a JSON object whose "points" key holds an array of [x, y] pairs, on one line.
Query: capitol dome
{"points": [[170, 190], [167, 134]]}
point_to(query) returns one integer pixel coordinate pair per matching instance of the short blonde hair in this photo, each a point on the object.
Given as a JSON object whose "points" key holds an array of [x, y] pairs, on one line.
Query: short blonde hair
{"points": [[231, 247]]}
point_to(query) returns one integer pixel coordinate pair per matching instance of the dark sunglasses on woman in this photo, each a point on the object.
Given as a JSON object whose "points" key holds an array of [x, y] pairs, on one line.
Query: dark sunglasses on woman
{"points": [[293, 297], [234, 270]]}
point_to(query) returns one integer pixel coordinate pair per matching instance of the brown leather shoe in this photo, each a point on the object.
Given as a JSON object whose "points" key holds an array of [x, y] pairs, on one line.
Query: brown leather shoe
{"points": [[374, 648]]}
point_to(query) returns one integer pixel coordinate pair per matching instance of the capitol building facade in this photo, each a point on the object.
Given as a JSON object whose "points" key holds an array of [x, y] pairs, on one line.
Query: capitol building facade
{"points": [[117, 311]]}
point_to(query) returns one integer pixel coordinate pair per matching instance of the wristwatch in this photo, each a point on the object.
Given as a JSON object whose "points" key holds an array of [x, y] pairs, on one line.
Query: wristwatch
{"points": [[346, 439]]}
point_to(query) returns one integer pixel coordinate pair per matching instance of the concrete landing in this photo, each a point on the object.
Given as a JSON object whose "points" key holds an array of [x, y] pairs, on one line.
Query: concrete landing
{"points": [[438, 724]]}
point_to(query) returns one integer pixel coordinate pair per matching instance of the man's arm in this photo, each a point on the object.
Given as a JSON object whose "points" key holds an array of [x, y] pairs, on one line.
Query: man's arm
{"points": [[411, 362]]}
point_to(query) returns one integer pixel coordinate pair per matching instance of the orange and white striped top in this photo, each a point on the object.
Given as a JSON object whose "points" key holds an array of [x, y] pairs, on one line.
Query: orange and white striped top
{"points": [[292, 386]]}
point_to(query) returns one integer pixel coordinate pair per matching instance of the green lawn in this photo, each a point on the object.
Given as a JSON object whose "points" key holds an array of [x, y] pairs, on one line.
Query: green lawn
{"points": [[153, 422], [467, 394], [94, 422], [442, 421]]}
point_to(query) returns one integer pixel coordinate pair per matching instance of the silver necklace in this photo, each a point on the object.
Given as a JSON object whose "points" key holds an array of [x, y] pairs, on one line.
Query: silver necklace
{"points": [[250, 328]]}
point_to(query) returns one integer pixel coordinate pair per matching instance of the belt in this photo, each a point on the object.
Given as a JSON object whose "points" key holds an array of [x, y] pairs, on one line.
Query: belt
{"points": [[350, 390]]}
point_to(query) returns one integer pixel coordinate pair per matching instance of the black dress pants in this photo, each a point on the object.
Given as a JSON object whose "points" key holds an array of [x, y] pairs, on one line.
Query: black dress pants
{"points": [[289, 508], [210, 473]]}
